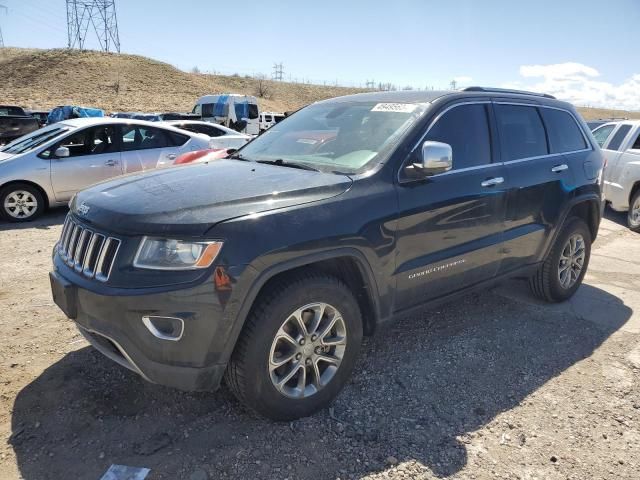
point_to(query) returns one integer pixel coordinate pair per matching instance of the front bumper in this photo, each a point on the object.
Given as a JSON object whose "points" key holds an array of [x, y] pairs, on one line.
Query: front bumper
{"points": [[112, 321]]}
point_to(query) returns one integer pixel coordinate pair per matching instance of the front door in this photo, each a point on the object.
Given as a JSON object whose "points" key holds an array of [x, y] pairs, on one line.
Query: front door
{"points": [[93, 157], [450, 226]]}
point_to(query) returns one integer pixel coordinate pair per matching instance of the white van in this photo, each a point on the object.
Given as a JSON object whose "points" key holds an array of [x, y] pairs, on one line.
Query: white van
{"points": [[229, 109], [269, 119]]}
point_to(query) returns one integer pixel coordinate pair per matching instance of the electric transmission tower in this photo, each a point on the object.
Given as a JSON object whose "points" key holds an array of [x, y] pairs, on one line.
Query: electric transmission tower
{"points": [[278, 71], [2, 7], [98, 14]]}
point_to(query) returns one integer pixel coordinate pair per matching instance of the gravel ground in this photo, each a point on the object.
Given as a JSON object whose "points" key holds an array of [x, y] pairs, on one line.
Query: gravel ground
{"points": [[494, 386]]}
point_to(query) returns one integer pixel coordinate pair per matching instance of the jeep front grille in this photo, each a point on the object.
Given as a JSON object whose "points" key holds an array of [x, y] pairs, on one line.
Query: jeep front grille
{"points": [[90, 253]]}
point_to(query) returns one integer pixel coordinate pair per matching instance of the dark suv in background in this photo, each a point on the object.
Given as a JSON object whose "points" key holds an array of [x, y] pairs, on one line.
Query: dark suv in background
{"points": [[268, 267]]}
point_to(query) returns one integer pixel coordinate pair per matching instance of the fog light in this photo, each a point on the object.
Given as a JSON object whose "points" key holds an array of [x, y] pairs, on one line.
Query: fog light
{"points": [[164, 328]]}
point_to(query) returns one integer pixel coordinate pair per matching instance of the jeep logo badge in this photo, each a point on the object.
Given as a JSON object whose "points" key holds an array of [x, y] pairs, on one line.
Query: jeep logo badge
{"points": [[83, 208]]}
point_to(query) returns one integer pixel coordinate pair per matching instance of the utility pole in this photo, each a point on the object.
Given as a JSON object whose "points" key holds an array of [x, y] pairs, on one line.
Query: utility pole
{"points": [[278, 71], [99, 14], [2, 39]]}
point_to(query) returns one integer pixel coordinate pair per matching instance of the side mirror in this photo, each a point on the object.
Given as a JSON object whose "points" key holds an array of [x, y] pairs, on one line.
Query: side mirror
{"points": [[61, 152], [437, 157]]}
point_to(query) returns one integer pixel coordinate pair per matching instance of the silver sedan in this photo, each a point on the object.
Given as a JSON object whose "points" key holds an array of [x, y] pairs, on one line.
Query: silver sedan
{"points": [[47, 167]]}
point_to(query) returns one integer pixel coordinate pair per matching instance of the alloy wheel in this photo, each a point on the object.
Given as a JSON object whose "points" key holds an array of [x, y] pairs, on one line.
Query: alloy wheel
{"points": [[571, 261], [307, 350], [20, 204], [634, 215]]}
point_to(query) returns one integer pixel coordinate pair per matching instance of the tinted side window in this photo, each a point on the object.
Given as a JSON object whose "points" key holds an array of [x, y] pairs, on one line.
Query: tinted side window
{"points": [[90, 141], [207, 109], [466, 129], [522, 134], [601, 134], [176, 139], [564, 133], [618, 137], [253, 111], [636, 144], [142, 138]]}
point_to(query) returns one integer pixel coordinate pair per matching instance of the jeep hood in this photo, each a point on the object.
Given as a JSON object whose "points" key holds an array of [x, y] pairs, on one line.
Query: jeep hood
{"points": [[189, 200]]}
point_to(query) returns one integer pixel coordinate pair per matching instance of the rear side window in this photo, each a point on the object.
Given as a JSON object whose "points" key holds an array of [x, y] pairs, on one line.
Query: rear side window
{"points": [[207, 109], [618, 137], [253, 111], [466, 129], [136, 137], [564, 133], [522, 134], [636, 144], [601, 134], [176, 139]]}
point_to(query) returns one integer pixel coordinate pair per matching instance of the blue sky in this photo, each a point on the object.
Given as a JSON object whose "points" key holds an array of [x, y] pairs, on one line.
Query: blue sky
{"points": [[583, 50]]}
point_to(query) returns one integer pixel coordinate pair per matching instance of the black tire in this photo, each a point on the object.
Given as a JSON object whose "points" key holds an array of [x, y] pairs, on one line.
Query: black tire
{"points": [[247, 374], [36, 196], [633, 224], [545, 283]]}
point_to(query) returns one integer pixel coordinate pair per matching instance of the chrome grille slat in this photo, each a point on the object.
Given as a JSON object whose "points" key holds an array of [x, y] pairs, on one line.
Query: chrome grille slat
{"points": [[90, 253]]}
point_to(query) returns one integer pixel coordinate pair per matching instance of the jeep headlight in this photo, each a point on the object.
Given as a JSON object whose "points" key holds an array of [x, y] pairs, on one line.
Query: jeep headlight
{"points": [[170, 254]]}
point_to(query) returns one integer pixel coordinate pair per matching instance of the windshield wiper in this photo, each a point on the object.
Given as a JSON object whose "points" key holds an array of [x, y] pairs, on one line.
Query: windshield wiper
{"points": [[283, 163], [238, 156]]}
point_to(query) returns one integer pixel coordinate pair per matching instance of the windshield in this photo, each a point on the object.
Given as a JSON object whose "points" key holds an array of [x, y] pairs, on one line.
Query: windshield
{"points": [[34, 140], [337, 137]]}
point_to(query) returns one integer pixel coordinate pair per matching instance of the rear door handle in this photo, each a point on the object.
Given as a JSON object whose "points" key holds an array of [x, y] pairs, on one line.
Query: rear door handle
{"points": [[111, 163], [172, 156], [490, 182], [560, 168]]}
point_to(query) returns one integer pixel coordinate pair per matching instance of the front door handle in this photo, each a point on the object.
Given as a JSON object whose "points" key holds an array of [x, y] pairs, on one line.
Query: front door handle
{"points": [[490, 182], [111, 163], [560, 168]]}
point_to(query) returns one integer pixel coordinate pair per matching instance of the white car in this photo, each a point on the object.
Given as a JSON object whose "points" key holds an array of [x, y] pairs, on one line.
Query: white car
{"points": [[221, 136], [620, 143], [47, 167]]}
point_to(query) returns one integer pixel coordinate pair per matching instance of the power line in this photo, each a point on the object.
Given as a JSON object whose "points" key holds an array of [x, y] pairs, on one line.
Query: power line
{"points": [[278, 71], [99, 14], [2, 39]]}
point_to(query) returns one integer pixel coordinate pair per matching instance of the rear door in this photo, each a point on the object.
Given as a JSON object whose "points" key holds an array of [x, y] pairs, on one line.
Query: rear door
{"points": [[93, 157], [542, 149], [450, 225], [613, 152], [146, 148]]}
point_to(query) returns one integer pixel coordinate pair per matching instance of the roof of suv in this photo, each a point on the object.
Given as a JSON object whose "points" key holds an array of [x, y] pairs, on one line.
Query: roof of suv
{"points": [[428, 96]]}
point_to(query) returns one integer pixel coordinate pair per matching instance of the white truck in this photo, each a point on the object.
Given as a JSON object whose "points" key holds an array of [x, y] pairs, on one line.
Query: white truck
{"points": [[620, 143], [238, 112]]}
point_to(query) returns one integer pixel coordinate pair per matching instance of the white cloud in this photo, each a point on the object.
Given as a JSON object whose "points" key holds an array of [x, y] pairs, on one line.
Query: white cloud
{"points": [[463, 79], [581, 85]]}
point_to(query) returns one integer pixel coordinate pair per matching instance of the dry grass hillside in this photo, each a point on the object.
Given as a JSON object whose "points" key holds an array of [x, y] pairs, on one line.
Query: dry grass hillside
{"points": [[120, 82]]}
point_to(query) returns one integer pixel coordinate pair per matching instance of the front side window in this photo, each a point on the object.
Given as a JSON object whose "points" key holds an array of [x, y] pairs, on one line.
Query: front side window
{"points": [[564, 133], [136, 137], [618, 137], [602, 133], [466, 130], [522, 134], [636, 144], [90, 141], [343, 137], [207, 109], [253, 111]]}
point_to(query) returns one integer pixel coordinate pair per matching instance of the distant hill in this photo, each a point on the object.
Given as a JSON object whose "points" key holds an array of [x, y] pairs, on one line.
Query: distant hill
{"points": [[120, 82]]}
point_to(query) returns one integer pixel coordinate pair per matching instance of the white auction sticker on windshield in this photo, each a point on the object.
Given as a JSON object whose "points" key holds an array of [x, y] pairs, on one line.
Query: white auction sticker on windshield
{"points": [[394, 107]]}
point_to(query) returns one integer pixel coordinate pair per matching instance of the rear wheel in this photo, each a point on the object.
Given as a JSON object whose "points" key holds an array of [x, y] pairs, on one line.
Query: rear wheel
{"points": [[20, 202], [298, 347], [564, 268], [633, 217]]}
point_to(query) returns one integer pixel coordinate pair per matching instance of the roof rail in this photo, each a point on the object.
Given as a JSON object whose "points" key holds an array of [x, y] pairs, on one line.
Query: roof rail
{"points": [[506, 90]]}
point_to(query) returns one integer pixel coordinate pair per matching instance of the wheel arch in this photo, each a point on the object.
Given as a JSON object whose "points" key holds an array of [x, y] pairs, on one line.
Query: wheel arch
{"points": [[634, 188], [348, 264], [43, 192]]}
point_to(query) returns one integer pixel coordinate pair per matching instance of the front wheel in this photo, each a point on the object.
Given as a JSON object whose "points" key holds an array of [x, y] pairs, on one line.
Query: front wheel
{"points": [[298, 347], [20, 202], [633, 217], [562, 272]]}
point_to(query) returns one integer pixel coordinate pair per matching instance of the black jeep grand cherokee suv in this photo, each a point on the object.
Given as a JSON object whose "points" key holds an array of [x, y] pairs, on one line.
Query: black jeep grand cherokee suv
{"points": [[268, 267]]}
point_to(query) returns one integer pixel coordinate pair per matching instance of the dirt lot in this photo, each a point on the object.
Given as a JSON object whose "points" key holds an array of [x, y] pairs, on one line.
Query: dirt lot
{"points": [[495, 386]]}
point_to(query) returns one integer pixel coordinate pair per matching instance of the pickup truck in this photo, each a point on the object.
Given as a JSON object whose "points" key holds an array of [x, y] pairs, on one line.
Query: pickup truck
{"points": [[15, 122], [620, 142]]}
